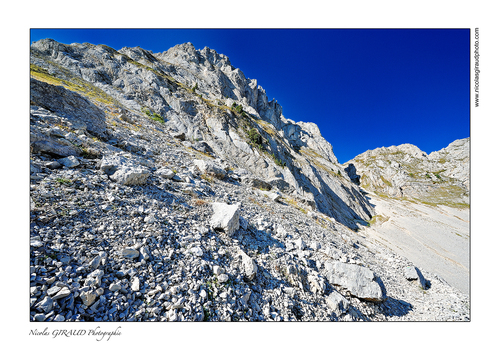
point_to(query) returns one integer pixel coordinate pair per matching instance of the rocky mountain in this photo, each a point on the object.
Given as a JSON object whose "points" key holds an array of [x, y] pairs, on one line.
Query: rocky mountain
{"points": [[166, 186], [440, 178], [201, 95]]}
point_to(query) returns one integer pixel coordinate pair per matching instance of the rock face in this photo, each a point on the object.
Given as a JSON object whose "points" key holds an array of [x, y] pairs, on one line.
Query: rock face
{"points": [[456, 160], [68, 104], [200, 95], [186, 195], [407, 172]]}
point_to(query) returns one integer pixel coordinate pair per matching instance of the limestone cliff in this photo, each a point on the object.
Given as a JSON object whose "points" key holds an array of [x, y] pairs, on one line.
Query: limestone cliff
{"points": [[199, 93]]}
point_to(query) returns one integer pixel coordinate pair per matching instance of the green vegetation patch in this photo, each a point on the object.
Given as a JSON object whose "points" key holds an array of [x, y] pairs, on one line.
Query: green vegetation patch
{"points": [[447, 195], [385, 181], [152, 115], [254, 137], [377, 219]]}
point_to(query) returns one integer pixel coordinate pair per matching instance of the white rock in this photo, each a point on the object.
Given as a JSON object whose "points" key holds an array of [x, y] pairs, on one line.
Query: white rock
{"points": [[249, 266], [88, 297], [317, 285], [136, 284], [203, 294], [46, 304], [59, 318], [96, 261], [111, 163], [64, 292], [315, 245], [95, 277], [115, 286], [300, 244], [276, 197], [144, 252], [223, 278], [210, 168], [337, 303], [226, 217], [131, 175], [358, 280], [165, 173], [197, 251], [411, 273], [40, 317], [150, 219]]}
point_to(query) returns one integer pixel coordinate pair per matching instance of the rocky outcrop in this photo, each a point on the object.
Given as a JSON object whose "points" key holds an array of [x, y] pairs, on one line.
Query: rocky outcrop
{"points": [[456, 160], [200, 95], [68, 104], [407, 172]]}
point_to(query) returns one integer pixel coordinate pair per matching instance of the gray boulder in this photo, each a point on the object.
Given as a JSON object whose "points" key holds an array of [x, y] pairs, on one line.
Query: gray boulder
{"points": [[123, 170], [88, 297], [410, 273], [131, 175], [111, 163], [210, 168], [358, 280], [165, 173], [413, 274], [249, 266], [130, 253], [69, 162], [54, 148], [53, 165]]}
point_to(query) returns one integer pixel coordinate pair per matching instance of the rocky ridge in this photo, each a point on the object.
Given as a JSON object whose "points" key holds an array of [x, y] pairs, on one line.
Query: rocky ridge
{"points": [[166, 187], [404, 171]]}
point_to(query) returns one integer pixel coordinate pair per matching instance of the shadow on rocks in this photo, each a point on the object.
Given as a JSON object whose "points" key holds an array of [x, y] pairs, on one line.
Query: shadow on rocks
{"points": [[424, 283], [395, 307]]}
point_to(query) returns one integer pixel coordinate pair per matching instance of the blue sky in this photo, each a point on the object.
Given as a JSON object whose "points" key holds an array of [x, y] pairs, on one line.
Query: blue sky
{"points": [[363, 88]]}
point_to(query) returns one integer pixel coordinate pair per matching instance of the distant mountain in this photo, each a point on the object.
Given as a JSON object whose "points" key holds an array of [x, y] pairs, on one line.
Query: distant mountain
{"points": [[440, 178]]}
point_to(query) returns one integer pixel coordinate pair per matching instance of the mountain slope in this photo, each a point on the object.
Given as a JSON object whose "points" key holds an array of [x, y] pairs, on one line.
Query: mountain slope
{"points": [[167, 187], [199, 93]]}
